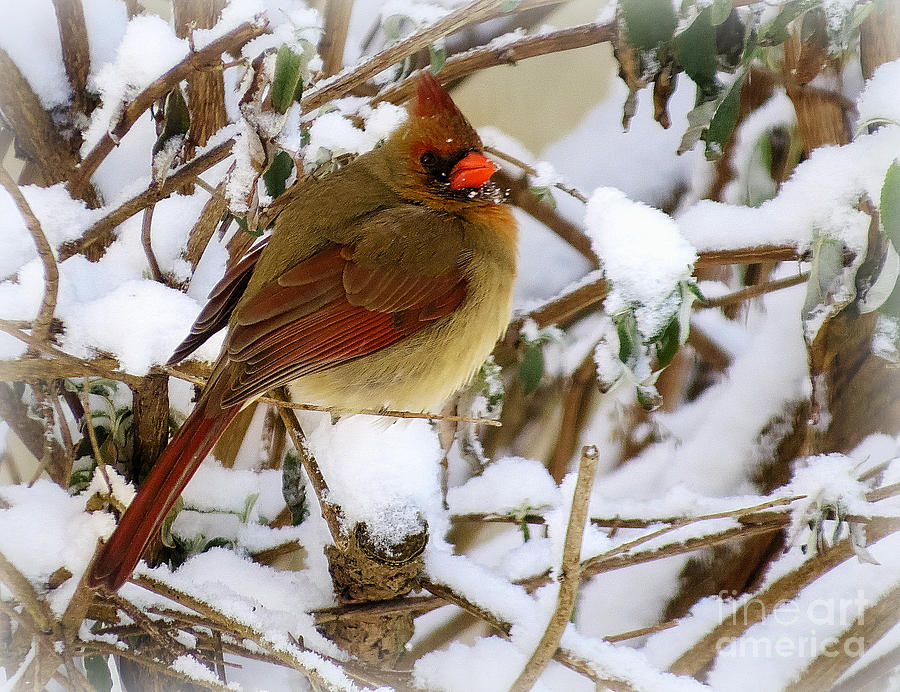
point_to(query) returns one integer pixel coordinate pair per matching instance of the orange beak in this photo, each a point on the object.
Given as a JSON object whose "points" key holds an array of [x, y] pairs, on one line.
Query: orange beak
{"points": [[473, 171]]}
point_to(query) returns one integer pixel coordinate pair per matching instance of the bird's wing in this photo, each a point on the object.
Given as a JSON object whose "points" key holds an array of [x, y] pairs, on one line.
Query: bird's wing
{"points": [[326, 311], [221, 303]]}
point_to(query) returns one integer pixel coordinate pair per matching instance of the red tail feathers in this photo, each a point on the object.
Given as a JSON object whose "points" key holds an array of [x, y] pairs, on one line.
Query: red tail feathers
{"points": [[168, 477]]}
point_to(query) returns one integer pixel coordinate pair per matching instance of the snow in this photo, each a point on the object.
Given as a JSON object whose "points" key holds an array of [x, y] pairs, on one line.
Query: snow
{"points": [[491, 664], [643, 256], [163, 312], [381, 473], [29, 34], [45, 529], [264, 599], [148, 49], [508, 486], [794, 632], [880, 101], [820, 197], [699, 459], [192, 668]]}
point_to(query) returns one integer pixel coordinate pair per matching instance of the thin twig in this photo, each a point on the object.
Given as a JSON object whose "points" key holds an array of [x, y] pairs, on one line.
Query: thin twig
{"points": [[569, 575], [748, 255], [522, 196], [201, 381], [641, 632], [68, 446], [203, 58], [75, 49], [753, 291], [571, 191], [147, 242], [330, 512], [41, 324], [85, 397]]}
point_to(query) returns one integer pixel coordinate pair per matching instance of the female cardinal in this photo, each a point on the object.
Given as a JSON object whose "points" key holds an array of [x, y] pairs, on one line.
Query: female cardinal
{"points": [[384, 284]]}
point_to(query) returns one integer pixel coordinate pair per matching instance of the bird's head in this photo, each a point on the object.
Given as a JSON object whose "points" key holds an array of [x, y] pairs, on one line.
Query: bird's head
{"points": [[440, 156]]}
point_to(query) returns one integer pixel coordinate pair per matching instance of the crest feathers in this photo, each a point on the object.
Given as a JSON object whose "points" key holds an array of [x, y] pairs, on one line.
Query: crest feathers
{"points": [[432, 98]]}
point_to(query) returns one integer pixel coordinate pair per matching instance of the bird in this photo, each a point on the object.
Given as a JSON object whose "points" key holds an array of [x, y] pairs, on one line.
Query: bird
{"points": [[383, 285]]}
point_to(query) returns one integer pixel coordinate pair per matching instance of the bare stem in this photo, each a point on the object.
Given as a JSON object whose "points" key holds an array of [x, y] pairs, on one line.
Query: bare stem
{"points": [[147, 242], [330, 512], [754, 291], [41, 324], [569, 575], [331, 47], [571, 191]]}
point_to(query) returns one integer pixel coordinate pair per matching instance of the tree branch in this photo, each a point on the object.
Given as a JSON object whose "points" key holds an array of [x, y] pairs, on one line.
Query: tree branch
{"points": [[36, 135], [330, 513], [147, 243], [334, 87], [62, 359], [204, 58], [331, 46], [101, 230], [783, 589], [464, 64], [75, 49]]}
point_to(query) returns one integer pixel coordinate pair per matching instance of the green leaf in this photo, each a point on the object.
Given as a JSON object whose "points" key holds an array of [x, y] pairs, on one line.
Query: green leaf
{"points": [[544, 195], [288, 66], [648, 397], [176, 119], [275, 178], [695, 289], [668, 342], [648, 22], [392, 26], [438, 54], [722, 124], [884, 285], [720, 10], [698, 120], [72, 385], [293, 488], [97, 669], [775, 31], [890, 205], [629, 339], [695, 50], [826, 275], [531, 369], [249, 504]]}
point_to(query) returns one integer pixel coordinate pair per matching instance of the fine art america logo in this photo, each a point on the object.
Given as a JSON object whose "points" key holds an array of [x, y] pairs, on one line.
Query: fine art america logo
{"points": [[791, 629]]}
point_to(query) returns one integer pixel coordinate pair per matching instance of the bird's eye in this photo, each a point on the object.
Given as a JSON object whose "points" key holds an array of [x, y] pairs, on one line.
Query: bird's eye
{"points": [[428, 159]]}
